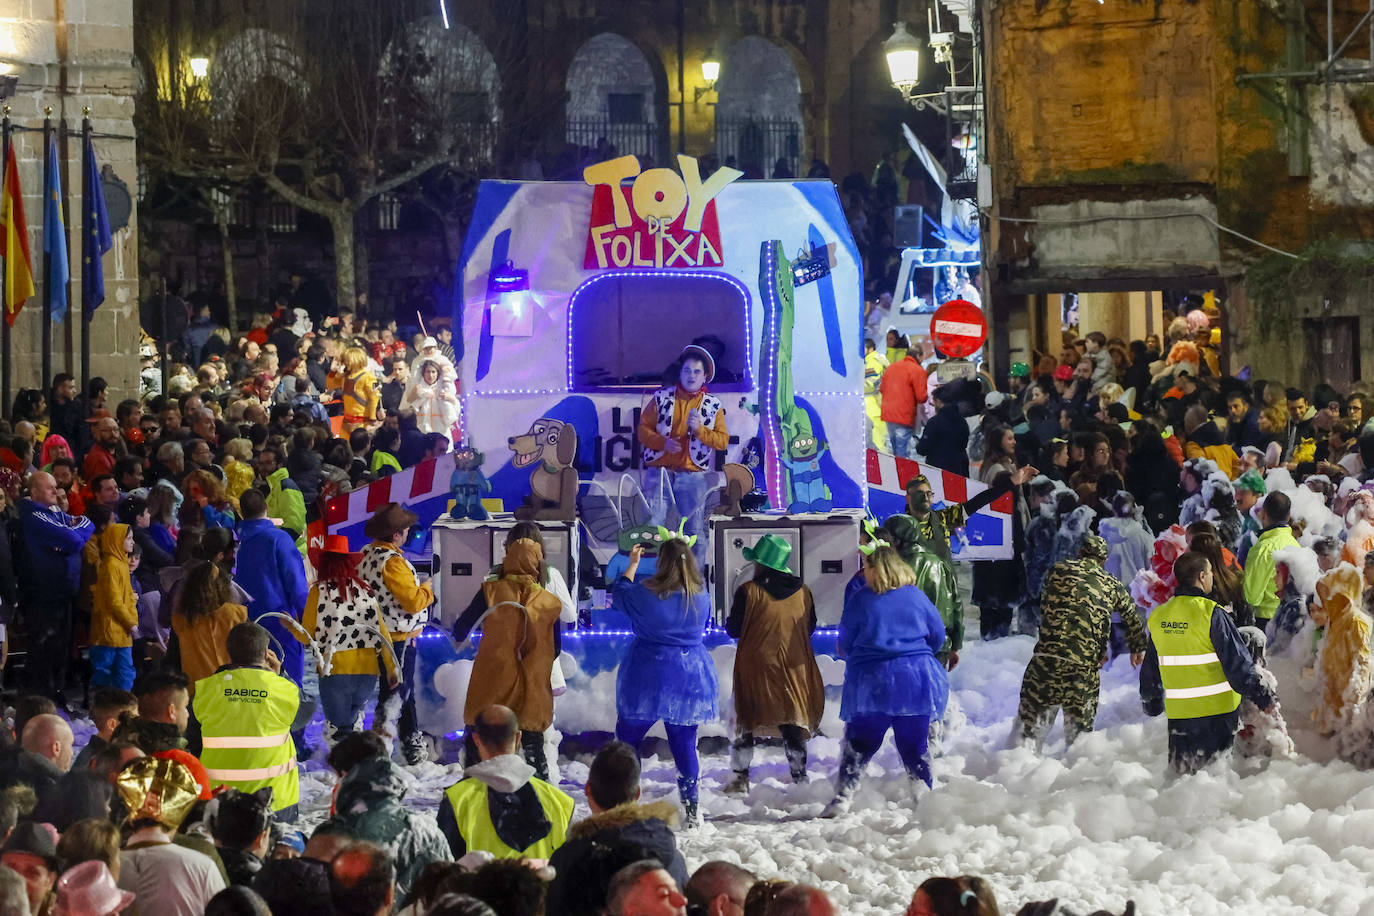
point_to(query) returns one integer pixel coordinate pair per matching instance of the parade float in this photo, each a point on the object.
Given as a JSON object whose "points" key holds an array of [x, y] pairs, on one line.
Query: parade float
{"points": [[578, 300]]}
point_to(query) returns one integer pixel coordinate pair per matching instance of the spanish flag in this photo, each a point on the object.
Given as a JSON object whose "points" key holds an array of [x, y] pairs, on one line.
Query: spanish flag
{"points": [[14, 241]]}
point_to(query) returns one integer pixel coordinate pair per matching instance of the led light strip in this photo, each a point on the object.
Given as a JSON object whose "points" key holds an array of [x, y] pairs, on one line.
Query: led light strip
{"points": [[594, 634]]}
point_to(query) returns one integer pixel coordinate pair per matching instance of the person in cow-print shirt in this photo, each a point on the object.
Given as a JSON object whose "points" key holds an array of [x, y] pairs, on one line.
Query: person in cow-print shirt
{"points": [[680, 431], [343, 617]]}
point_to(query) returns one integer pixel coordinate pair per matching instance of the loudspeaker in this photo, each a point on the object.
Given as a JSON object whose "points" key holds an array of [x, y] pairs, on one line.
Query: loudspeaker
{"points": [[908, 225]]}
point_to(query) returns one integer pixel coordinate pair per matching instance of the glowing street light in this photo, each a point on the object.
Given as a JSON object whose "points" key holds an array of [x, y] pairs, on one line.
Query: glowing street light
{"points": [[903, 53]]}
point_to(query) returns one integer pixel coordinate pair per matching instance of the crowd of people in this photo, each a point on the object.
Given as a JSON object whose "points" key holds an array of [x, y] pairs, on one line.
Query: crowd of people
{"points": [[154, 561]]}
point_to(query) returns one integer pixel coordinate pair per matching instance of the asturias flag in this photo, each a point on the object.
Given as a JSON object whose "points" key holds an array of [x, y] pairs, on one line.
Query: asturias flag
{"points": [[55, 237], [14, 241], [96, 235]]}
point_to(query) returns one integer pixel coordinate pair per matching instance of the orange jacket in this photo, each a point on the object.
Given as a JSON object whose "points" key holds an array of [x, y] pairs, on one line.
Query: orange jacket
{"points": [[903, 388]]}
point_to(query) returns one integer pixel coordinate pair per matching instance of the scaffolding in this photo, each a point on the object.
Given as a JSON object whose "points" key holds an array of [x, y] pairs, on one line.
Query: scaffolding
{"points": [[1299, 72]]}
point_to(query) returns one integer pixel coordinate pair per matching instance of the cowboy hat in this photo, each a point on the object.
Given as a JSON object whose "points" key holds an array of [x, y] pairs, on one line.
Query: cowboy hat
{"points": [[88, 889], [388, 520], [333, 543], [695, 352]]}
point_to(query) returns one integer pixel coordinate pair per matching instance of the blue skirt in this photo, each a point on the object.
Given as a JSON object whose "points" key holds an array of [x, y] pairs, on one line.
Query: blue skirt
{"points": [[674, 683], [910, 685]]}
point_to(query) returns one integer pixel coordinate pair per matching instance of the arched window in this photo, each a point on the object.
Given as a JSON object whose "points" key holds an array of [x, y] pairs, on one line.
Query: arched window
{"points": [[612, 109], [758, 116], [626, 329]]}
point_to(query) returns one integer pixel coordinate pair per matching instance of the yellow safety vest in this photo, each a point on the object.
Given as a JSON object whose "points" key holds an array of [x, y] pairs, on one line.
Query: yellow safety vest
{"points": [[1195, 684], [469, 800], [245, 718]]}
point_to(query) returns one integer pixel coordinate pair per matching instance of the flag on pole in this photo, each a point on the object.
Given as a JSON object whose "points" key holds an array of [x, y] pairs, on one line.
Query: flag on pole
{"points": [[96, 233], [55, 237], [14, 241]]}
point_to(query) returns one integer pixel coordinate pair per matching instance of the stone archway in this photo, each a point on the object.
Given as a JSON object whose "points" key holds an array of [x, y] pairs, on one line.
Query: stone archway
{"points": [[613, 104], [759, 120]]}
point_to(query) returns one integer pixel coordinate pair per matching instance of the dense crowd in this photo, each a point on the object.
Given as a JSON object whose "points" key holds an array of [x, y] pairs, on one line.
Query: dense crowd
{"points": [[154, 561]]}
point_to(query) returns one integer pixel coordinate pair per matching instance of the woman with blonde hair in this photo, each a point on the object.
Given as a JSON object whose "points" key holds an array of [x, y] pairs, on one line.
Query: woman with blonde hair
{"points": [[890, 633], [361, 399], [667, 674]]}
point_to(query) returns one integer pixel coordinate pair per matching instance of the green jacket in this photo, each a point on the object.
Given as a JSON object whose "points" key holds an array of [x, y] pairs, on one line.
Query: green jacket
{"points": [[288, 505], [1261, 586], [935, 577]]}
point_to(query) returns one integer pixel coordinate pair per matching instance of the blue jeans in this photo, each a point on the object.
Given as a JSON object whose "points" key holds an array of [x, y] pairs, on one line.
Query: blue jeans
{"points": [[408, 725], [864, 734], [899, 440], [344, 697], [682, 741], [112, 667], [688, 489]]}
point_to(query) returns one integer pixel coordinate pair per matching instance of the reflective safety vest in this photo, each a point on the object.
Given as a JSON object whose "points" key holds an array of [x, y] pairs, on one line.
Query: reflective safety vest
{"points": [[1195, 684], [245, 717], [473, 817]]}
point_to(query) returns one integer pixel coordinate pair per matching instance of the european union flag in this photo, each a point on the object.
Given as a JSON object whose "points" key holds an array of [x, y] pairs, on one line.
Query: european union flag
{"points": [[95, 234], [55, 238]]}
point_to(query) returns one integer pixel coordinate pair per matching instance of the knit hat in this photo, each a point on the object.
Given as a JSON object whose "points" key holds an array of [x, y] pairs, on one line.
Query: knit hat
{"points": [[156, 789], [1252, 481], [1019, 370], [1093, 548], [706, 358], [1063, 373], [34, 839], [388, 520], [770, 551], [88, 889]]}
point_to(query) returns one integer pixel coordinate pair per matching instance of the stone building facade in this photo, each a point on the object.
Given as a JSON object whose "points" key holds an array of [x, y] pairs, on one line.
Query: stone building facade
{"points": [[69, 55], [1135, 149]]}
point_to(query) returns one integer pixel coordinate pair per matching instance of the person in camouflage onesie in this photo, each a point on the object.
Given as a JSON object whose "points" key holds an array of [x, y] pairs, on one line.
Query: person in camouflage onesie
{"points": [[1078, 601]]}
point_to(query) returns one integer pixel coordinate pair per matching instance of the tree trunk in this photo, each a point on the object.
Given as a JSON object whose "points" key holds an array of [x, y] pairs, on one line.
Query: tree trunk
{"points": [[226, 248], [362, 272], [341, 222]]}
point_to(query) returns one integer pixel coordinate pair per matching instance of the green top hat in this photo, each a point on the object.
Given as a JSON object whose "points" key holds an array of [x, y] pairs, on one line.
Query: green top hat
{"points": [[771, 551]]}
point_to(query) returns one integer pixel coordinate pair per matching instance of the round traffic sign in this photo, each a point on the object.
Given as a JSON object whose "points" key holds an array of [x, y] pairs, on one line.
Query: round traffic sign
{"points": [[958, 328]]}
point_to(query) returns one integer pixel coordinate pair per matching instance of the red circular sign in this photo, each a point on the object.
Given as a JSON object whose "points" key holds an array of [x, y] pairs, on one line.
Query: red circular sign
{"points": [[958, 328]]}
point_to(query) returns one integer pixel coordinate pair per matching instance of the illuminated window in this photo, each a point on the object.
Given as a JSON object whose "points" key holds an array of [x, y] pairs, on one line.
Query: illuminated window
{"points": [[626, 329]]}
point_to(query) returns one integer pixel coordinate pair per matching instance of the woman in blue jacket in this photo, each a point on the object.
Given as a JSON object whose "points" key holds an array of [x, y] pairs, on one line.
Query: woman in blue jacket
{"points": [[889, 635], [667, 673]]}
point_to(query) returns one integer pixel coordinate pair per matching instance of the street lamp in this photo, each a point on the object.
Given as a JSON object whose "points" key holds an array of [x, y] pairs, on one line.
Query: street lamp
{"points": [[710, 72], [200, 66], [903, 53]]}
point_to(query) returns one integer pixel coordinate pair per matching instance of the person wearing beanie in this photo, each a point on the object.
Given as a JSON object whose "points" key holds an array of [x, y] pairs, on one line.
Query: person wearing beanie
{"points": [[777, 685], [1078, 602], [31, 851]]}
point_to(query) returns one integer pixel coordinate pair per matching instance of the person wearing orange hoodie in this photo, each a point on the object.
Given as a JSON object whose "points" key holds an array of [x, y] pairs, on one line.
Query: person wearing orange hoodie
{"points": [[114, 611]]}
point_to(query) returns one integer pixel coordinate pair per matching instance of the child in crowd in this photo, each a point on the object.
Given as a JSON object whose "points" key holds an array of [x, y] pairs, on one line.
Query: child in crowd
{"points": [[114, 612], [109, 707], [1263, 733]]}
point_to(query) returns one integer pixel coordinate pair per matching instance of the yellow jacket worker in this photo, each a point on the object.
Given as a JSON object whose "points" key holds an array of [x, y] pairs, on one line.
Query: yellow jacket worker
{"points": [[246, 710]]}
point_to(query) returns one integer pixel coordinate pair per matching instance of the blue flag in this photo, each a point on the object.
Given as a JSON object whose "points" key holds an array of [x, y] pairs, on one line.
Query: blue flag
{"points": [[95, 238], [55, 238]]}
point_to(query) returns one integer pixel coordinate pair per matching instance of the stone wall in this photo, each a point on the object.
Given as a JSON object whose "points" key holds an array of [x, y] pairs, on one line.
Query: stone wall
{"points": [[70, 55]]}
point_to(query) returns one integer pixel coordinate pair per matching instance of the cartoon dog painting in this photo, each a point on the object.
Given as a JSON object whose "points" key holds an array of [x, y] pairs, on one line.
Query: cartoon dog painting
{"points": [[550, 446]]}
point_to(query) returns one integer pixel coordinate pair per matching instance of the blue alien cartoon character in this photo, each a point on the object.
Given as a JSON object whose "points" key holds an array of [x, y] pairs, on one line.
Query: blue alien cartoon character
{"points": [[803, 463], [467, 484]]}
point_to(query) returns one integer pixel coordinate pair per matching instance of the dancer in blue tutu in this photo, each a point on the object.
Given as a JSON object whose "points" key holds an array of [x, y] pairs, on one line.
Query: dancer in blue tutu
{"points": [[667, 673], [890, 633]]}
